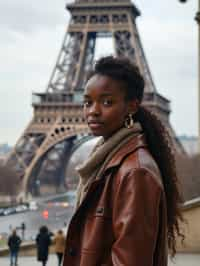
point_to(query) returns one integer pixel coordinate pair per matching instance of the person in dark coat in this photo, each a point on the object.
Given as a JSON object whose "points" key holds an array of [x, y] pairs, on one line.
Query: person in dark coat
{"points": [[43, 241], [14, 242]]}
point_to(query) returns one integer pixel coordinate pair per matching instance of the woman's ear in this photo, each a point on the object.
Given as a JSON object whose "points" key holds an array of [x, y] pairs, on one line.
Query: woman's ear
{"points": [[133, 106]]}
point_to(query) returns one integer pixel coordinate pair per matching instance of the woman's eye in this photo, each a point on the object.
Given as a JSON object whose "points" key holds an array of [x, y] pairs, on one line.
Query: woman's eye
{"points": [[87, 103], [107, 102]]}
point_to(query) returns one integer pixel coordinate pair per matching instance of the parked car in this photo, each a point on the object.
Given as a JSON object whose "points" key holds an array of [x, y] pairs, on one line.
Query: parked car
{"points": [[21, 208], [33, 205], [10, 210], [1, 211]]}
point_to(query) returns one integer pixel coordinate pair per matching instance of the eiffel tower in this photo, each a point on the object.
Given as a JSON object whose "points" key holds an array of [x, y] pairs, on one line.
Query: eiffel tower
{"points": [[57, 127]]}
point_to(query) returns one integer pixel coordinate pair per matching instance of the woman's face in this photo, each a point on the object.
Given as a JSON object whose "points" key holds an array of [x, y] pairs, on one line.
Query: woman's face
{"points": [[105, 107]]}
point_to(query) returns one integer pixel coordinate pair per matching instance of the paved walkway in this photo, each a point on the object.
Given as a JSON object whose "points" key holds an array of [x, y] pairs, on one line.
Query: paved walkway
{"points": [[182, 260], [29, 261]]}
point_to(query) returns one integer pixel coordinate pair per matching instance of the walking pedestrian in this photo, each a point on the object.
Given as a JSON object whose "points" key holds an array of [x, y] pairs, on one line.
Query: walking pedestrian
{"points": [[23, 228], [14, 242], [128, 200], [43, 241], [59, 241]]}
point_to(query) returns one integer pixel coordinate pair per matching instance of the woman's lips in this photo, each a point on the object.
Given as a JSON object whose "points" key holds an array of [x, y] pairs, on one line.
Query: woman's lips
{"points": [[95, 125]]}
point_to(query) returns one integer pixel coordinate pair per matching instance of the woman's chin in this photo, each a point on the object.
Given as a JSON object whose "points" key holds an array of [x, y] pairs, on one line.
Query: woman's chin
{"points": [[96, 133]]}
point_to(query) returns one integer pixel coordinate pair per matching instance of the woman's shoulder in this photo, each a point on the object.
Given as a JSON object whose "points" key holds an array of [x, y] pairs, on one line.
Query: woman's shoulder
{"points": [[140, 162]]}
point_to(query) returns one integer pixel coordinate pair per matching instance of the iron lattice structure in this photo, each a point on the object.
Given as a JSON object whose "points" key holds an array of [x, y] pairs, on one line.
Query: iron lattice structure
{"points": [[41, 154]]}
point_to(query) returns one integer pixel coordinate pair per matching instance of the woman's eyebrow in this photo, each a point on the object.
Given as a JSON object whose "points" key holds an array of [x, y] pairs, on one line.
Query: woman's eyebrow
{"points": [[106, 94]]}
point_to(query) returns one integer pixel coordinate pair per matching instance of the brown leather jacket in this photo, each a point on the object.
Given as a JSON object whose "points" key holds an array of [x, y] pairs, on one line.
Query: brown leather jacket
{"points": [[122, 220]]}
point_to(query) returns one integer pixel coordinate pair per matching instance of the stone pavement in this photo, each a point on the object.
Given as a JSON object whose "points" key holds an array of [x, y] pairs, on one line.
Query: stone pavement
{"points": [[29, 261], [182, 260]]}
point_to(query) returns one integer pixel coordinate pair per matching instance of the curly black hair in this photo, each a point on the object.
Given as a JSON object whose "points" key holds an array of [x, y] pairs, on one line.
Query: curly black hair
{"points": [[157, 136]]}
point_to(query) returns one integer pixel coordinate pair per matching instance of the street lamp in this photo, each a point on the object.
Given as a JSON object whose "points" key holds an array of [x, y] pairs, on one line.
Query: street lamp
{"points": [[197, 18]]}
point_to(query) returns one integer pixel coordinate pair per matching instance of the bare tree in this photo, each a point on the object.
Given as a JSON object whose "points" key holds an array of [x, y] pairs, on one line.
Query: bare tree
{"points": [[9, 180]]}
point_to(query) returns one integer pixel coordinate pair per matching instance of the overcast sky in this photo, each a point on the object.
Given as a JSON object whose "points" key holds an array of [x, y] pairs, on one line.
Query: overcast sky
{"points": [[31, 36]]}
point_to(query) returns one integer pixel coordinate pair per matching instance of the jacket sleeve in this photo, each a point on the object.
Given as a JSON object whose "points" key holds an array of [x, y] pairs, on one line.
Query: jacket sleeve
{"points": [[135, 218], [9, 241], [50, 240], [37, 239], [18, 241]]}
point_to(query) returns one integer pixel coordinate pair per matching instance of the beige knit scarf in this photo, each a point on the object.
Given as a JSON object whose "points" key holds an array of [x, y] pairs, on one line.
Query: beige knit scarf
{"points": [[100, 156]]}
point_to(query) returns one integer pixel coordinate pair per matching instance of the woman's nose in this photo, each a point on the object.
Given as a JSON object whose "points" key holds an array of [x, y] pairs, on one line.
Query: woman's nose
{"points": [[94, 109]]}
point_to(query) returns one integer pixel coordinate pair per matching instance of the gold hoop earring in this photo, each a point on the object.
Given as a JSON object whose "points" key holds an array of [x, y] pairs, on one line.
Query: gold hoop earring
{"points": [[129, 121]]}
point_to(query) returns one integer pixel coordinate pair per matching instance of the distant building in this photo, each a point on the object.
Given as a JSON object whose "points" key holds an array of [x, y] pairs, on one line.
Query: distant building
{"points": [[190, 143], [4, 151]]}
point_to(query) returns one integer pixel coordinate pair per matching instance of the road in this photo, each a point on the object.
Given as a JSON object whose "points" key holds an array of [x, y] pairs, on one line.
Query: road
{"points": [[58, 217]]}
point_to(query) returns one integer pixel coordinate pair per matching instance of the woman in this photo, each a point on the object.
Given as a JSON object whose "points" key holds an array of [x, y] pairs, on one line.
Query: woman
{"points": [[43, 242], [59, 241], [127, 209]]}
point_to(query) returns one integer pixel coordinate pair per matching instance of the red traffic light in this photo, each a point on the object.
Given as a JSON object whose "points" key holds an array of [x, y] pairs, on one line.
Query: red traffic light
{"points": [[45, 214]]}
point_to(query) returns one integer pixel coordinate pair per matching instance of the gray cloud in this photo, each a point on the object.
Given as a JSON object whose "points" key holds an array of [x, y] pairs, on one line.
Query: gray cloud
{"points": [[171, 49], [28, 16]]}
